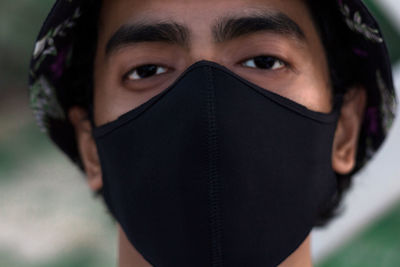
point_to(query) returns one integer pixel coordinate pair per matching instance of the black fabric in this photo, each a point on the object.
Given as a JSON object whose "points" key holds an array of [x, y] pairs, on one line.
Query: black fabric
{"points": [[216, 171]]}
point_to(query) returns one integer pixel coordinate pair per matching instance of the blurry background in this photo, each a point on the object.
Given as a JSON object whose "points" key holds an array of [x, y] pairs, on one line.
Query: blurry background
{"points": [[48, 216]]}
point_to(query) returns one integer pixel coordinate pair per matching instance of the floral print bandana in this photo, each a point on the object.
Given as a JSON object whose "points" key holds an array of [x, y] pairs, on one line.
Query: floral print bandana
{"points": [[55, 43]]}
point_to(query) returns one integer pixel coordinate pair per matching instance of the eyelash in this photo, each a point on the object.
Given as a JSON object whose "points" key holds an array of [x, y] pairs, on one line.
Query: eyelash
{"points": [[135, 69], [283, 63], [164, 69]]}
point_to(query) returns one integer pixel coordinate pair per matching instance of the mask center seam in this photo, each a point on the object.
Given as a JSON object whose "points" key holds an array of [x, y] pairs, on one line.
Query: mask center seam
{"points": [[214, 182]]}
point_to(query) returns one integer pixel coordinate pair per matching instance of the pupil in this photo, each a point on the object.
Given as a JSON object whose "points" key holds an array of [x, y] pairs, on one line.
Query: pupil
{"points": [[264, 62], [146, 71]]}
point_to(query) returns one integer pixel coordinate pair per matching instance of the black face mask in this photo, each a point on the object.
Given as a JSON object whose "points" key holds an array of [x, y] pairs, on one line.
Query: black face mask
{"points": [[216, 171]]}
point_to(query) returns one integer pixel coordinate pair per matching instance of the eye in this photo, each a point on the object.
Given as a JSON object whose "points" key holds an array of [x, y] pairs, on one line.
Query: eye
{"points": [[145, 71], [264, 62]]}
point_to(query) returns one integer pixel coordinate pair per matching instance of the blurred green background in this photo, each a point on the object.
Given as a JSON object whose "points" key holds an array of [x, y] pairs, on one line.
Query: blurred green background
{"points": [[48, 216]]}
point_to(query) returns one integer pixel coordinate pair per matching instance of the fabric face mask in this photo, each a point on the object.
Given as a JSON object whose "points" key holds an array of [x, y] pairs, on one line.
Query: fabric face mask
{"points": [[216, 171]]}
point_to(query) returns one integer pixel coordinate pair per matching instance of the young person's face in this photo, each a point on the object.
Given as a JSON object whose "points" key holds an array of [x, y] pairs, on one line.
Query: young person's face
{"points": [[272, 43], [228, 32]]}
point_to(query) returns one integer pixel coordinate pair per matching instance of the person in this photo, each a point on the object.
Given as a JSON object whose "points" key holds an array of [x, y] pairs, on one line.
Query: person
{"points": [[219, 133]]}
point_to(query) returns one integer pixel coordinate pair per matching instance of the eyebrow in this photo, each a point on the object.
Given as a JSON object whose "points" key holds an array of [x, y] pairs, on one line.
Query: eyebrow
{"points": [[225, 29], [230, 28], [137, 33]]}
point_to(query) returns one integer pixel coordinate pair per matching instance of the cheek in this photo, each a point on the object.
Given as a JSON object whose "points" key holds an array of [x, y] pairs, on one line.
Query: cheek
{"points": [[108, 96], [313, 93], [318, 78], [311, 87], [307, 87], [113, 98]]}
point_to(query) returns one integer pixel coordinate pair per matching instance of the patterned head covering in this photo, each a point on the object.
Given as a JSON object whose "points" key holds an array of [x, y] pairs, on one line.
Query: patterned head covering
{"points": [[54, 49]]}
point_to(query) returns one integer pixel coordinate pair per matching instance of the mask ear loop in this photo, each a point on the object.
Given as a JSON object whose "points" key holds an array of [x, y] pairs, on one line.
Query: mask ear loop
{"points": [[338, 102], [91, 115], [90, 111], [338, 99]]}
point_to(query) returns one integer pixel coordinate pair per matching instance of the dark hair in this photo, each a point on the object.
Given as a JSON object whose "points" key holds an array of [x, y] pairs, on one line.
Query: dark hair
{"points": [[80, 74], [345, 71]]}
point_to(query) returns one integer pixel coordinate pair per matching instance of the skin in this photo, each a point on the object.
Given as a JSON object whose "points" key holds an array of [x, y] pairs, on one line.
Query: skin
{"points": [[303, 78]]}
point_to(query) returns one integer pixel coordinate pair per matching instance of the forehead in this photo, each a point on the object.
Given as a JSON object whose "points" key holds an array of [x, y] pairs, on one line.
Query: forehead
{"points": [[197, 15]]}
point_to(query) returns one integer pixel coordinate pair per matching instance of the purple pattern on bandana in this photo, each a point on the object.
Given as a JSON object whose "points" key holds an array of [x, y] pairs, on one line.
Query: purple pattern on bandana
{"points": [[59, 63], [360, 52]]}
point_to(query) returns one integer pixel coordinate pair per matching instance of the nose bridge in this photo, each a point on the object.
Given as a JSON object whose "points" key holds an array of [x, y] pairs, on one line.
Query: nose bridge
{"points": [[202, 46], [202, 52]]}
